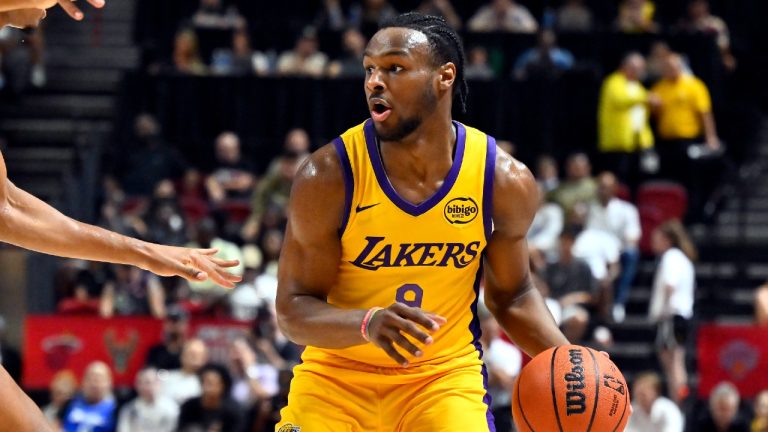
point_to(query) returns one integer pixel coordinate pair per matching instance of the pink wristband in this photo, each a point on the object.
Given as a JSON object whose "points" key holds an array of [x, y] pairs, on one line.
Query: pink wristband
{"points": [[366, 320]]}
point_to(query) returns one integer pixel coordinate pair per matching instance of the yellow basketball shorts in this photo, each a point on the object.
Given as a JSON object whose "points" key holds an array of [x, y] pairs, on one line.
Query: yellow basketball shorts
{"points": [[335, 399]]}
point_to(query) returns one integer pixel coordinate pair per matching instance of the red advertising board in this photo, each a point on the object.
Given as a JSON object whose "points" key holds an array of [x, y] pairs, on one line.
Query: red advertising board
{"points": [[738, 354], [54, 343]]}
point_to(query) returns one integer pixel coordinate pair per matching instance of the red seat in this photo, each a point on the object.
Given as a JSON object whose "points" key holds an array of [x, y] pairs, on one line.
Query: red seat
{"points": [[658, 202], [194, 208], [237, 211]]}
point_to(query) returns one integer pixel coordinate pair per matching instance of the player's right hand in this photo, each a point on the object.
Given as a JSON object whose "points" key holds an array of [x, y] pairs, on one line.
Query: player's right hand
{"points": [[390, 326]]}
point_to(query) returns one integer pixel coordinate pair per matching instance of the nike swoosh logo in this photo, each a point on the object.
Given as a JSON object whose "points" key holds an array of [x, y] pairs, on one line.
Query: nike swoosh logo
{"points": [[358, 209]]}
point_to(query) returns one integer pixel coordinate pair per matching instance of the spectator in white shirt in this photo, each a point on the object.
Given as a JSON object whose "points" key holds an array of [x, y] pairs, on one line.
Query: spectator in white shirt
{"points": [[620, 219], [149, 411], [503, 362], [503, 16], [252, 381], [651, 411], [544, 231], [601, 251], [671, 305], [183, 384]]}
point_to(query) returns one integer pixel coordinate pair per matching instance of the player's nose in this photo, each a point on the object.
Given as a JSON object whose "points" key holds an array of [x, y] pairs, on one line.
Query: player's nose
{"points": [[374, 82]]}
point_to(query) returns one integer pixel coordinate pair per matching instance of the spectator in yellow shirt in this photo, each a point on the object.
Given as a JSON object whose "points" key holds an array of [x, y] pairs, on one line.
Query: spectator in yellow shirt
{"points": [[684, 117], [623, 127], [685, 112]]}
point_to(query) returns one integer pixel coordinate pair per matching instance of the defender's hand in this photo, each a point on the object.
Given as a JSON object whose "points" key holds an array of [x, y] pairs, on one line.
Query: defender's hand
{"points": [[191, 264], [68, 6], [22, 18], [391, 325]]}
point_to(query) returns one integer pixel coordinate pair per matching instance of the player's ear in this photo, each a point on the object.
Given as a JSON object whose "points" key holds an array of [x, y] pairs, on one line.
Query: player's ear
{"points": [[447, 75]]}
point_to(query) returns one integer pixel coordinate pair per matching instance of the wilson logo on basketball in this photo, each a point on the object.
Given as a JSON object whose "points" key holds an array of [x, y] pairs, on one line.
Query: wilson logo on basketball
{"points": [[575, 399], [460, 211]]}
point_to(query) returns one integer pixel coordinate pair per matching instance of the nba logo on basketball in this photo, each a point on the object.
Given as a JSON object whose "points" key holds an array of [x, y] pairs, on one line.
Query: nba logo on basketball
{"points": [[289, 428], [460, 211]]}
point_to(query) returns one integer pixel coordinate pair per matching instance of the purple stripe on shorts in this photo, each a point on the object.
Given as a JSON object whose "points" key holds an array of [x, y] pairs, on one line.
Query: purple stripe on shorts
{"points": [[474, 327], [346, 169]]}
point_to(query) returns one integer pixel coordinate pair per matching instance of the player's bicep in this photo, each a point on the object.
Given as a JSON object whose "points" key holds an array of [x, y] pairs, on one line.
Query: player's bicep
{"points": [[506, 266], [307, 265], [312, 248], [515, 201]]}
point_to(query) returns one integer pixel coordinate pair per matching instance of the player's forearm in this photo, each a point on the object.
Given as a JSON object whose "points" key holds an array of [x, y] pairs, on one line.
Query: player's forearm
{"points": [[527, 321], [307, 320], [9, 5], [30, 223]]}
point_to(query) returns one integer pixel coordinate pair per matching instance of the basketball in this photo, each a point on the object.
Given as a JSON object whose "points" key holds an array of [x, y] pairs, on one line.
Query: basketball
{"points": [[570, 388]]}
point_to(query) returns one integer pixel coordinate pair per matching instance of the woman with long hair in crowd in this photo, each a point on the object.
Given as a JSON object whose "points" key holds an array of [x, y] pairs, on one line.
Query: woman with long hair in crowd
{"points": [[671, 306]]}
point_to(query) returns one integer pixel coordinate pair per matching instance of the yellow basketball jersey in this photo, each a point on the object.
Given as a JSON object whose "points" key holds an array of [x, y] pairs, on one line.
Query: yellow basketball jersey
{"points": [[427, 255]]}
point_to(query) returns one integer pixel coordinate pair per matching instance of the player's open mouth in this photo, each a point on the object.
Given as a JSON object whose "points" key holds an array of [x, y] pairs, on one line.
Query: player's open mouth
{"points": [[380, 110]]}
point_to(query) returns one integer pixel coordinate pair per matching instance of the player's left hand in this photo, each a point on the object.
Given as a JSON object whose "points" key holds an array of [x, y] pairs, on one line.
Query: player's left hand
{"points": [[192, 264], [389, 326]]}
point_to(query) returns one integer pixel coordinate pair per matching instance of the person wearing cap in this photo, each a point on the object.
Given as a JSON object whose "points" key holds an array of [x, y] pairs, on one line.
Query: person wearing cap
{"points": [[167, 354]]}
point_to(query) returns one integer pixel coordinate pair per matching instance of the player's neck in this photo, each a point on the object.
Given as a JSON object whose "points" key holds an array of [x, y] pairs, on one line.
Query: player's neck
{"points": [[425, 157], [432, 140]]}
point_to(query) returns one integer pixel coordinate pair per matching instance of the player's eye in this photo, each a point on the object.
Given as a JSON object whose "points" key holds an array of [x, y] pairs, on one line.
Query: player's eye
{"points": [[395, 68], [368, 70]]}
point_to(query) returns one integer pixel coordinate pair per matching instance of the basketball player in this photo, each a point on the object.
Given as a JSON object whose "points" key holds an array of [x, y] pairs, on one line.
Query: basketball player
{"points": [[404, 212]]}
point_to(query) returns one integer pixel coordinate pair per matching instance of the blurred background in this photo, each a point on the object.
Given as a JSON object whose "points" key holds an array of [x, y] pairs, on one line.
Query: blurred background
{"points": [[183, 122]]}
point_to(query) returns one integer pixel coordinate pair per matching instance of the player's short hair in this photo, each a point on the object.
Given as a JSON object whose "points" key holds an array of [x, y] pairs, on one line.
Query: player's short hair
{"points": [[445, 43]]}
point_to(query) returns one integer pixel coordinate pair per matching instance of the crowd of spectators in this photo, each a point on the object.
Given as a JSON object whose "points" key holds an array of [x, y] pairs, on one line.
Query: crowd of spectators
{"points": [[217, 37]]}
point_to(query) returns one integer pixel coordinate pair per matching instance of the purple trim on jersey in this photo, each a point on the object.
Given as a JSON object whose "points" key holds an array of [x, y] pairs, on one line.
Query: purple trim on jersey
{"points": [[349, 182], [474, 327], [386, 186], [490, 169]]}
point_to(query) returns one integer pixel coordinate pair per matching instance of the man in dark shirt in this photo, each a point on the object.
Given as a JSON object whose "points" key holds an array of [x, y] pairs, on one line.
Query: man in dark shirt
{"points": [[150, 159], [167, 354], [572, 285]]}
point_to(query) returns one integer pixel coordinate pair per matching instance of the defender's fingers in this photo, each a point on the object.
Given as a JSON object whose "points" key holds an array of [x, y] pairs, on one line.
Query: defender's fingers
{"points": [[71, 10], [224, 263]]}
